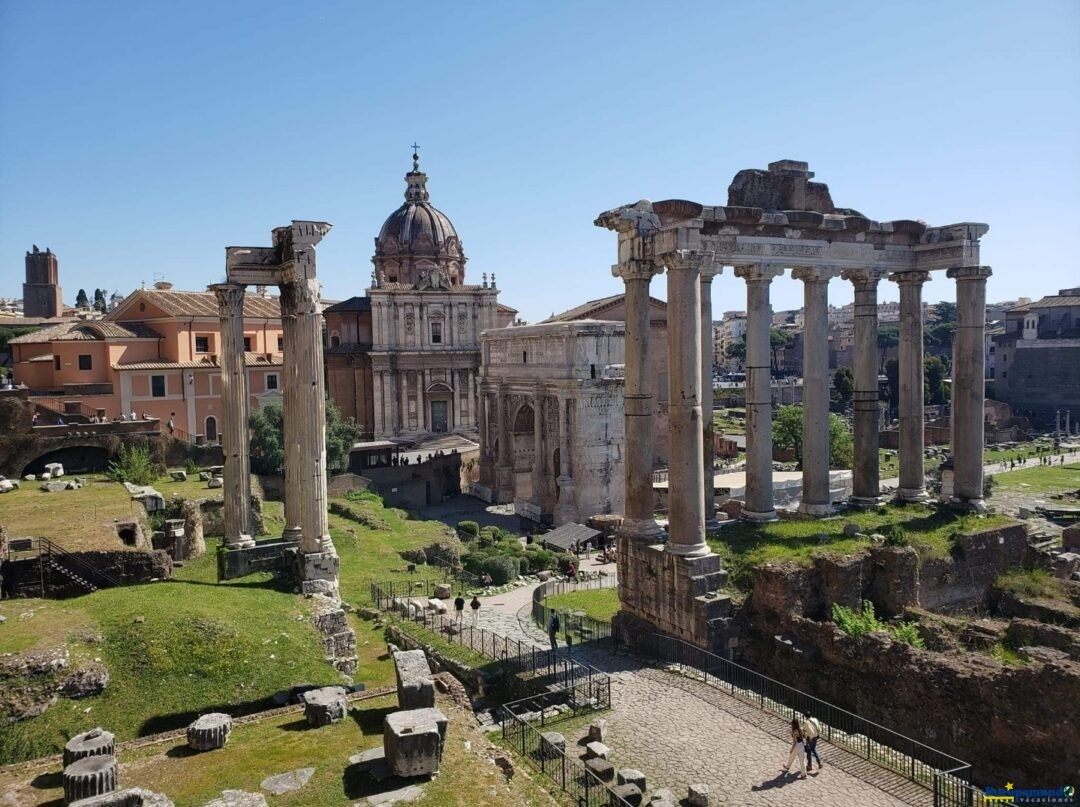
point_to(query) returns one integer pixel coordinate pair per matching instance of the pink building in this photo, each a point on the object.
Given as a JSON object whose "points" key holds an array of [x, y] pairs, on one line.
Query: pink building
{"points": [[155, 354]]}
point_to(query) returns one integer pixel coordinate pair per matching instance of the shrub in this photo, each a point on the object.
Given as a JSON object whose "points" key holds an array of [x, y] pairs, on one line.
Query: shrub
{"points": [[894, 535], [858, 623], [191, 467], [565, 559], [364, 496], [538, 560], [488, 536], [501, 568], [134, 464], [468, 530]]}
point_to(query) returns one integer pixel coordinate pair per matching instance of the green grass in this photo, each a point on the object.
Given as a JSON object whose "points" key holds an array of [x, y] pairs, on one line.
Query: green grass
{"points": [[1044, 480], [1034, 584], [600, 604], [743, 545], [1006, 655]]}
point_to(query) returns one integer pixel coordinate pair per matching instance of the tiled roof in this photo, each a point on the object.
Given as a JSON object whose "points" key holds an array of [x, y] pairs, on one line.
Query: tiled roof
{"points": [[200, 303], [82, 331], [589, 309], [1054, 301], [505, 309], [250, 360], [352, 304]]}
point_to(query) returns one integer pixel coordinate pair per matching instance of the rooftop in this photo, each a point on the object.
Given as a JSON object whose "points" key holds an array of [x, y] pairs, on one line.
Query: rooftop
{"points": [[192, 304]]}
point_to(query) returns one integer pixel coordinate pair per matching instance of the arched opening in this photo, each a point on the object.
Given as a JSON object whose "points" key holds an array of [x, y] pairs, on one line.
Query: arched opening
{"points": [[335, 339], [524, 420], [75, 459], [211, 429]]}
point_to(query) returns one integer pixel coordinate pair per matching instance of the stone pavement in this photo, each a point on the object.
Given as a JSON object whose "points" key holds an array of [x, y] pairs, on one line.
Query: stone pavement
{"points": [[679, 731]]}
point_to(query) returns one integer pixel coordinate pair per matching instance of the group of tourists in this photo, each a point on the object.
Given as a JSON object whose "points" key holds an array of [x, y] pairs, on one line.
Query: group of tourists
{"points": [[804, 737], [459, 608]]}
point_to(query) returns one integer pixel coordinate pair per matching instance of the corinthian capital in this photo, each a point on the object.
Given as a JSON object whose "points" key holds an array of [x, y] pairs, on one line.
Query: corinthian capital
{"points": [[909, 277], [863, 278], [636, 269], [679, 259], [230, 299], [814, 274], [969, 273], [758, 272]]}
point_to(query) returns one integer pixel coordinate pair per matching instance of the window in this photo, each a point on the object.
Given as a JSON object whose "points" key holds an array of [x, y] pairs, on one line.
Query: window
{"points": [[271, 381], [247, 344], [157, 386], [1004, 373], [280, 343], [202, 344], [56, 362], [86, 362], [524, 357], [436, 333]]}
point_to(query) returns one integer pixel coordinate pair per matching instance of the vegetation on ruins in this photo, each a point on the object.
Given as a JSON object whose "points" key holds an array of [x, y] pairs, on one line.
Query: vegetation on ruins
{"points": [[500, 554], [268, 439], [858, 623], [788, 433], [843, 390], [135, 464]]}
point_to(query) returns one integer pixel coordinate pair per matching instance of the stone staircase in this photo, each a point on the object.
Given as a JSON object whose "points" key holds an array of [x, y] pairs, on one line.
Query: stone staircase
{"points": [[52, 563]]}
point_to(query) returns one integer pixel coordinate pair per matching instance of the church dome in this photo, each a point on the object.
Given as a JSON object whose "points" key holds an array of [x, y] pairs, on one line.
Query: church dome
{"points": [[417, 238]]}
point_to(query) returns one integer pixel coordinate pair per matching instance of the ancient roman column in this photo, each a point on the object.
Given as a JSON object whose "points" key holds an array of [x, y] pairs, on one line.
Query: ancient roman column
{"points": [[865, 486], [912, 479], [292, 424], [564, 507], [471, 421], [759, 482], [638, 522], [379, 401], [686, 473], [969, 385], [539, 461], [504, 468], [815, 391], [311, 412], [394, 388], [709, 270], [234, 432]]}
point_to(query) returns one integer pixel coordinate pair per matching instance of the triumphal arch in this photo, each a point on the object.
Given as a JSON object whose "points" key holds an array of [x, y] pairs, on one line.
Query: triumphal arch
{"points": [[775, 220]]}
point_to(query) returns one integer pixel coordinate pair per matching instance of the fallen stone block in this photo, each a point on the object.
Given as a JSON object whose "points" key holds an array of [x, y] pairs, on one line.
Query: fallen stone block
{"points": [[401, 795], [662, 798], [631, 794], [128, 797], [596, 749], [438, 606], [631, 776], [215, 482], [93, 743], [287, 782], [179, 476], [412, 743], [209, 732], [552, 745], [54, 487], [443, 591], [90, 776], [597, 730], [601, 769], [324, 706], [415, 686], [238, 798], [697, 796], [54, 469], [205, 476], [6, 485]]}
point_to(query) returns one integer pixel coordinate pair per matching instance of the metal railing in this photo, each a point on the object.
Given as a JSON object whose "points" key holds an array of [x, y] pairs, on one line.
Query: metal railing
{"points": [[952, 792], [884, 747], [60, 407], [576, 626]]}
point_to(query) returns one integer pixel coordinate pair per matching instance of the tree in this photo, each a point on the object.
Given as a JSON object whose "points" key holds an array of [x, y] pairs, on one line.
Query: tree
{"points": [[946, 312], [99, 300], [788, 434], [268, 439], [888, 336], [843, 389], [737, 350], [81, 300], [778, 339], [938, 339], [935, 389]]}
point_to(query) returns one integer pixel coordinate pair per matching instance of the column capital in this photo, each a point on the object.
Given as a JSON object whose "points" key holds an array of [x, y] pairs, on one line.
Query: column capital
{"points": [[230, 298], [814, 274], [969, 273], [863, 278], [679, 259], [758, 272], [636, 269], [301, 297], [909, 277]]}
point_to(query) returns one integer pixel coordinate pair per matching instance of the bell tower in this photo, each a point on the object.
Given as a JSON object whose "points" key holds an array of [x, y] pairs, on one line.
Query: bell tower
{"points": [[41, 291]]}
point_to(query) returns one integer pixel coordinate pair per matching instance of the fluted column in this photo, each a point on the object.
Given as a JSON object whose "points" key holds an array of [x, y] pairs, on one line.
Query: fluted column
{"points": [[759, 481], [709, 270], [380, 402], [315, 526], [638, 522], [470, 421], [292, 423], [234, 433], [686, 472], [504, 469], [969, 386], [865, 486], [912, 434], [815, 404]]}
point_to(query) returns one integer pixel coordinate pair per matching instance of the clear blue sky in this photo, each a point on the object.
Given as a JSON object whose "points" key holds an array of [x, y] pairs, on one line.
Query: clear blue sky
{"points": [[140, 138]]}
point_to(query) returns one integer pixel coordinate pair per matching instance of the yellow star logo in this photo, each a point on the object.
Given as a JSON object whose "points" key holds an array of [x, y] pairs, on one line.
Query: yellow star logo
{"points": [[1008, 785]]}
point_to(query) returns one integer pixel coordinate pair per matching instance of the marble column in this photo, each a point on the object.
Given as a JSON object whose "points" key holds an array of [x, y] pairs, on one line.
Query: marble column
{"points": [[379, 400], [638, 522], [969, 386], [539, 472], [471, 422], [234, 431], [421, 412], [759, 481], [815, 391], [865, 486], [709, 270], [686, 472], [564, 510], [912, 428], [394, 388], [292, 427]]}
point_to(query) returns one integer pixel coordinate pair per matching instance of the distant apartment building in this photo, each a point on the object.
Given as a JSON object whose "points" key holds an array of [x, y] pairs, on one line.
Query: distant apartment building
{"points": [[726, 332], [155, 354]]}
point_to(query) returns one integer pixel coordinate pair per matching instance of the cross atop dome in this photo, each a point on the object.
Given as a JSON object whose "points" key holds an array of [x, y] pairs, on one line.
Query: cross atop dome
{"points": [[415, 157]]}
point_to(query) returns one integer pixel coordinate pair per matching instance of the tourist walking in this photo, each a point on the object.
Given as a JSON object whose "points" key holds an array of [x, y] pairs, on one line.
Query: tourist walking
{"points": [[475, 605], [170, 425], [487, 580], [811, 730], [553, 630], [798, 749], [459, 606]]}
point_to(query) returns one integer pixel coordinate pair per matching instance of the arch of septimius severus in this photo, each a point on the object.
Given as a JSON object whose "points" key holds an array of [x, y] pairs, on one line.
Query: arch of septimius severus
{"points": [[775, 220]]}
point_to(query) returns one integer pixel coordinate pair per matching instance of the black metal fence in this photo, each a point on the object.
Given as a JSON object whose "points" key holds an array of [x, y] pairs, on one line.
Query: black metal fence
{"points": [[949, 791], [589, 695], [575, 626], [920, 763]]}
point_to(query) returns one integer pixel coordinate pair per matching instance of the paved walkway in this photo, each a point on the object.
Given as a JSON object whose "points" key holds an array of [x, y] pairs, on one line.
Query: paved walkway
{"points": [[678, 732]]}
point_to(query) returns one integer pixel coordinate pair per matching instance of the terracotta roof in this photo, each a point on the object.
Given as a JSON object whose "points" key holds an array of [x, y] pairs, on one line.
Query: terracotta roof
{"points": [[352, 304], [83, 331], [589, 309], [505, 309], [1054, 301], [198, 303], [250, 360]]}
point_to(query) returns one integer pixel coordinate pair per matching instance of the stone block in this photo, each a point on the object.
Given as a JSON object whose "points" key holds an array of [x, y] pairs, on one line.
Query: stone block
{"points": [[128, 797], [435, 715], [662, 798], [90, 776], [238, 798], [597, 749], [1070, 538], [286, 782], [631, 794], [601, 769], [54, 470], [204, 476], [6, 485], [416, 688], [552, 745], [54, 487], [209, 732], [178, 476], [93, 743], [598, 730], [412, 743], [697, 796], [324, 706], [443, 591], [438, 606], [631, 776], [215, 482]]}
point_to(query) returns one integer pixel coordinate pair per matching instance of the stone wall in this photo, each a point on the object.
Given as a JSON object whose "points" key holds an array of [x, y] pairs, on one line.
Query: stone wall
{"points": [[213, 516], [24, 578], [478, 682], [978, 560]]}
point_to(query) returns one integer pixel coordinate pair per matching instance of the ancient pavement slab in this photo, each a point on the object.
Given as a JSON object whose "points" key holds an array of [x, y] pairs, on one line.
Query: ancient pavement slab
{"points": [[402, 795], [287, 782]]}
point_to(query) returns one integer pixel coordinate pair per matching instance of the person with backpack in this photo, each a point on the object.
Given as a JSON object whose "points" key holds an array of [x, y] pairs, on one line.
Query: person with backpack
{"points": [[553, 631], [475, 605], [459, 607], [811, 730]]}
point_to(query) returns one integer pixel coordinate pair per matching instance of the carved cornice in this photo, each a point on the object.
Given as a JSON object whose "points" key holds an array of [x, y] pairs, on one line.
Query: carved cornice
{"points": [[815, 274]]}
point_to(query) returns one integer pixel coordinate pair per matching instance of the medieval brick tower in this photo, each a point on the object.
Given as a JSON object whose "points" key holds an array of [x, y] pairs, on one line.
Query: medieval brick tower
{"points": [[41, 291]]}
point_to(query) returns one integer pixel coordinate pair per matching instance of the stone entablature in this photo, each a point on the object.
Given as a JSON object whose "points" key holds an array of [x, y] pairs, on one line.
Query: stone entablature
{"points": [[551, 426]]}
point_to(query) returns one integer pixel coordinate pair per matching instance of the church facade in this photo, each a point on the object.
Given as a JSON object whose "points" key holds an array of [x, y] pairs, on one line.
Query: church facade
{"points": [[404, 359]]}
